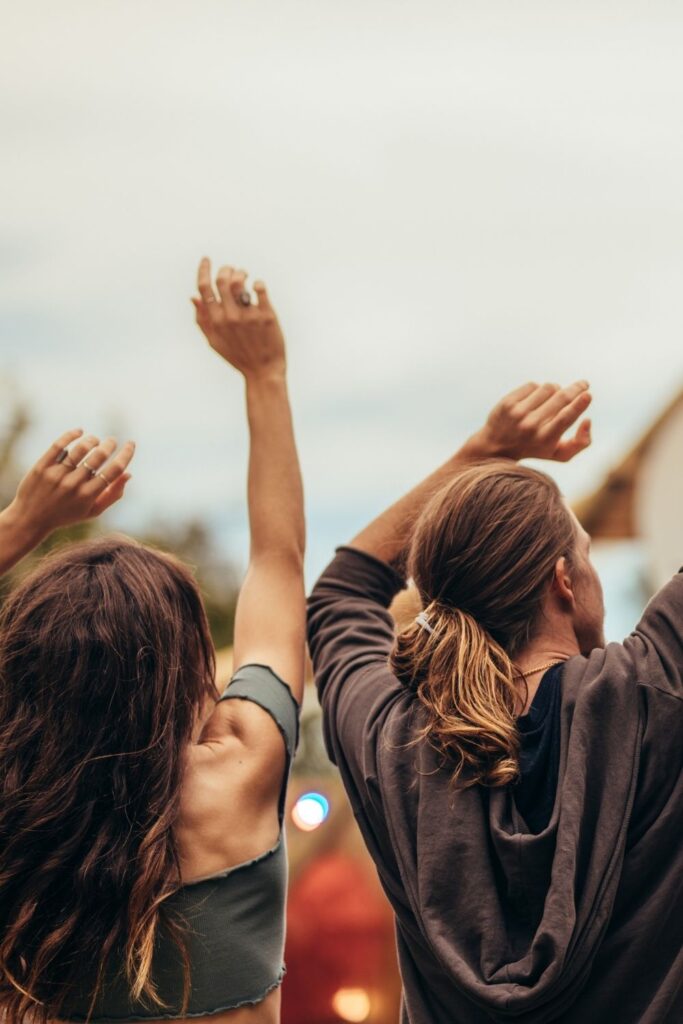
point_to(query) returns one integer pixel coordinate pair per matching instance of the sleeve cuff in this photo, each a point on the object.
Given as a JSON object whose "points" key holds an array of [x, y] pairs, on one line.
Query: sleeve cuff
{"points": [[353, 571]]}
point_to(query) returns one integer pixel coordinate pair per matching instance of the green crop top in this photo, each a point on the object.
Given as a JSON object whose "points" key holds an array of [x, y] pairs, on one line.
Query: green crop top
{"points": [[235, 919]]}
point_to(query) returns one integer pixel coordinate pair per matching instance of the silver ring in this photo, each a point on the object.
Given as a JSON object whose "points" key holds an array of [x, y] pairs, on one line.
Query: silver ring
{"points": [[105, 478], [244, 298], [61, 456], [84, 464]]}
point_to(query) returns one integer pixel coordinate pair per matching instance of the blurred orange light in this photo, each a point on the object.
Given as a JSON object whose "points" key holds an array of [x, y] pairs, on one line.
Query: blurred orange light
{"points": [[352, 1004]]}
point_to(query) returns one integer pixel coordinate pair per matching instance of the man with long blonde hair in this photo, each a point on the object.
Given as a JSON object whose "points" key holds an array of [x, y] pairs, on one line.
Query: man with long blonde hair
{"points": [[517, 782]]}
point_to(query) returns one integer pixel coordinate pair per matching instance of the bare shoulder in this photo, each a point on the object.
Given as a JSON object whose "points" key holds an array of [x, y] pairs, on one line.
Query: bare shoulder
{"points": [[237, 765], [240, 746], [243, 722], [231, 790]]}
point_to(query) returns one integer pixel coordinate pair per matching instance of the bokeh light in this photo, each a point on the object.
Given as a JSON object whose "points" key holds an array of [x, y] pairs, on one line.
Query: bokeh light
{"points": [[310, 811], [352, 1004]]}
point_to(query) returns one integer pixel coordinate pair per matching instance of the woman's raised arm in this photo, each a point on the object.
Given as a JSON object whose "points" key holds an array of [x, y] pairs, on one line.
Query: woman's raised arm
{"points": [[270, 620]]}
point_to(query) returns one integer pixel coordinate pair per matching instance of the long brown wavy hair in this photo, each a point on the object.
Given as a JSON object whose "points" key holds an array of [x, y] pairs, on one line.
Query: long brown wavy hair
{"points": [[482, 554], [105, 661]]}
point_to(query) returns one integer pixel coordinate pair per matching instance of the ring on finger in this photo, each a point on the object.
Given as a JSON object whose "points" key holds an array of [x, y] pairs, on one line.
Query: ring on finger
{"points": [[62, 455], [84, 464], [209, 298], [105, 478], [244, 298]]}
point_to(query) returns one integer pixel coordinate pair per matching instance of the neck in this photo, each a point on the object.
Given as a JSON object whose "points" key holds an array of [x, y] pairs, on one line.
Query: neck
{"points": [[539, 654], [535, 655]]}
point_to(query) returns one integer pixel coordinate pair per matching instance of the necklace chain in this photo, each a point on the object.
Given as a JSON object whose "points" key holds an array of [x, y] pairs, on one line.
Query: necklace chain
{"points": [[541, 668]]}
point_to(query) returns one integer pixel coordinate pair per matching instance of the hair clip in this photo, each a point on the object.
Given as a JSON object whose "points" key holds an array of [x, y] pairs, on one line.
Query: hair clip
{"points": [[423, 621]]}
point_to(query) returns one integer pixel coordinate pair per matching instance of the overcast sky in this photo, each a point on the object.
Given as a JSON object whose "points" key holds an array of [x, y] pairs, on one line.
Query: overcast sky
{"points": [[445, 198]]}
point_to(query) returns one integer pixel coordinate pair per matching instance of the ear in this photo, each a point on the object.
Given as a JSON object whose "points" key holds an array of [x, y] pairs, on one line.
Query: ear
{"points": [[562, 582]]}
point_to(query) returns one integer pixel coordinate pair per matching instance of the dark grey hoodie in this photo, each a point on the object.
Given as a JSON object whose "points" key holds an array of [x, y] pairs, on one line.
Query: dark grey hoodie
{"points": [[580, 923]]}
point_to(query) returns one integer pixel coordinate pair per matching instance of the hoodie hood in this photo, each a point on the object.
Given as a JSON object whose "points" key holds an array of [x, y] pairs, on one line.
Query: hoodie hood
{"points": [[513, 918]]}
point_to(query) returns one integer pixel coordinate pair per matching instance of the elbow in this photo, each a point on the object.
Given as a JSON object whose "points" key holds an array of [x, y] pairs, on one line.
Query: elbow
{"points": [[286, 545], [288, 558]]}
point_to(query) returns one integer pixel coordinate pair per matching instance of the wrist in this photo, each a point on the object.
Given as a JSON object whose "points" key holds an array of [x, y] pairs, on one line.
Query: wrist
{"points": [[266, 384], [481, 445], [19, 533], [265, 387]]}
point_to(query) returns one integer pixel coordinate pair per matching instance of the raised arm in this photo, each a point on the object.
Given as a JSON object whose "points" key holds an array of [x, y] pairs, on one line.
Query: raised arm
{"points": [[349, 627], [527, 423], [66, 486], [270, 619]]}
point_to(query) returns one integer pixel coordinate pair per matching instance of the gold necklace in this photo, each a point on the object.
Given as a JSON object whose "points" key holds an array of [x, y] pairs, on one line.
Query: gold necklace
{"points": [[541, 668]]}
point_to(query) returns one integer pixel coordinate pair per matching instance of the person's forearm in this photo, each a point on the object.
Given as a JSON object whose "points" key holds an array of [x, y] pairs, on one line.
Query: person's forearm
{"points": [[387, 537], [275, 491], [17, 539], [528, 423]]}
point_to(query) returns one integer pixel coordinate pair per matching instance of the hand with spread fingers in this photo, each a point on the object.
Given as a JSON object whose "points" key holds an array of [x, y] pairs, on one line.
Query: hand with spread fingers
{"points": [[531, 421], [244, 333], [528, 423], [67, 485]]}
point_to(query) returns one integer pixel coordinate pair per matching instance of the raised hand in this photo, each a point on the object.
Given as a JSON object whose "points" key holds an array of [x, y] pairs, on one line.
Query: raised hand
{"points": [[247, 335], [68, 485], [531, 421]]}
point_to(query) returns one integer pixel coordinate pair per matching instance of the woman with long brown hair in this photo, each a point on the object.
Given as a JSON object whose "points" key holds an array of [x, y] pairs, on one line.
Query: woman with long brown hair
{"points": [[142, 867], [518, 784]]}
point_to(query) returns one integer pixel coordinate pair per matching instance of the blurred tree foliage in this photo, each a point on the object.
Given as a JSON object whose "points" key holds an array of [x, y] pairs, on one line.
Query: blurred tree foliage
{"points": [[192, 541], [195, 543]]}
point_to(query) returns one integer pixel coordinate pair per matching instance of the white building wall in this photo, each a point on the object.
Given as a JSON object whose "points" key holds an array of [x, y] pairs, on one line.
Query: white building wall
{"points": [[659, 501]]}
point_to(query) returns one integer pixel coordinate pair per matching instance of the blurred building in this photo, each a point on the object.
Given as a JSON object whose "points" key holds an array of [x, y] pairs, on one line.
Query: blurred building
{"points": [[634, 518]]}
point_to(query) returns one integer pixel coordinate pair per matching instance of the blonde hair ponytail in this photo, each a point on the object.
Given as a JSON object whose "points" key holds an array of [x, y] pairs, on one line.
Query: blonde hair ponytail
{"points": [[482, 554], [466, 682]]}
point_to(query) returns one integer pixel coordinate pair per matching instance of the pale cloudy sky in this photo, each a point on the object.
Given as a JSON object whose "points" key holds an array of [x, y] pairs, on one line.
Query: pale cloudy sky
{"points": [[446, 199]]}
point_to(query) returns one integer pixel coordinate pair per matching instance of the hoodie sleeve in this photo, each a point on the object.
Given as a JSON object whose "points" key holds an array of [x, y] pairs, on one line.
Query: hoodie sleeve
{"points": [[656, 644], [350, 636]]}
